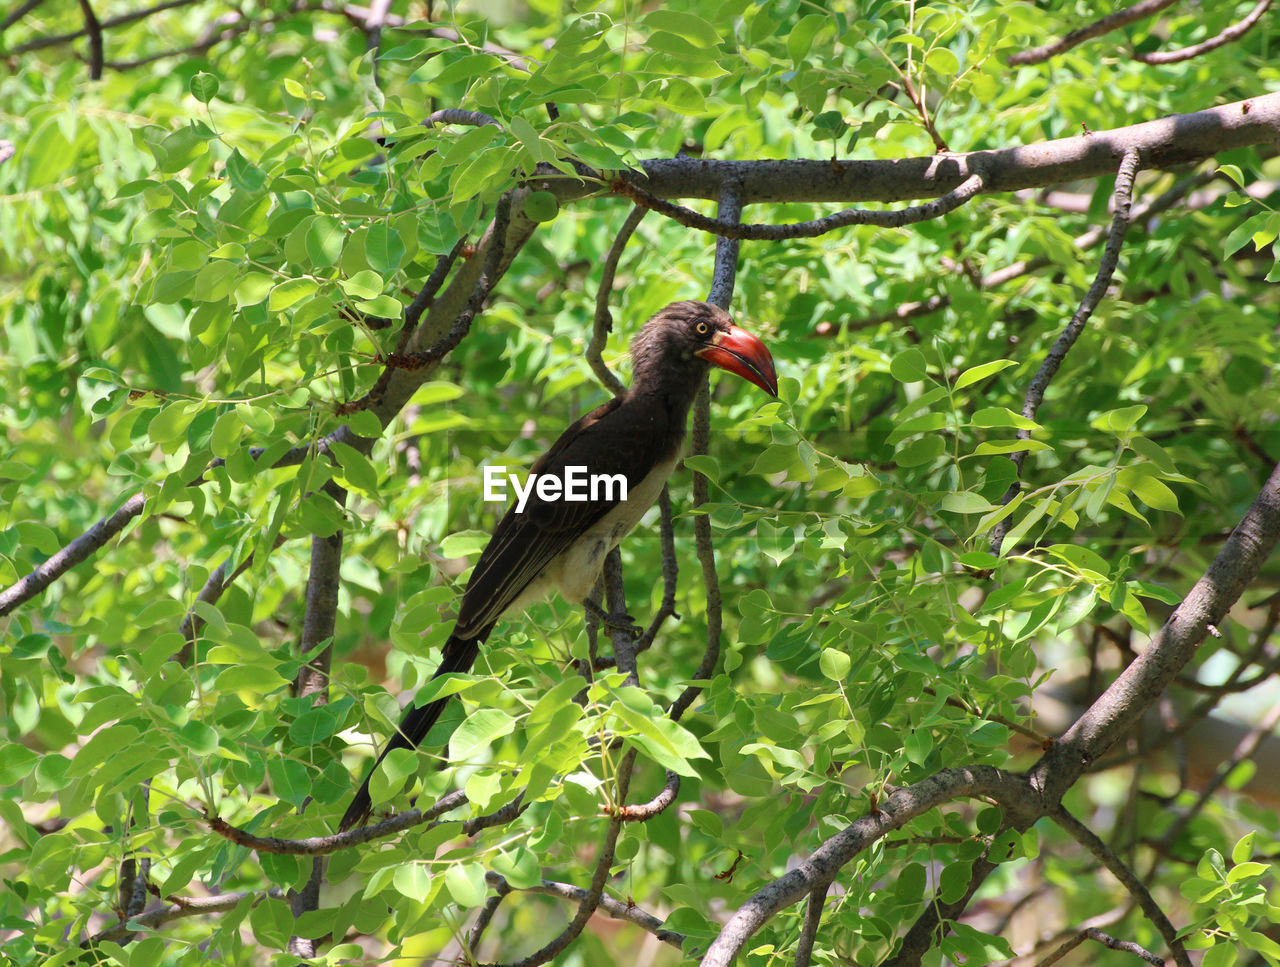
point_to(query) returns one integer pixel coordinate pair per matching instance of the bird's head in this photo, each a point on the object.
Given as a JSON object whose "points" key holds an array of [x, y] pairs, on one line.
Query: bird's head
{"points": [[671, 344]]}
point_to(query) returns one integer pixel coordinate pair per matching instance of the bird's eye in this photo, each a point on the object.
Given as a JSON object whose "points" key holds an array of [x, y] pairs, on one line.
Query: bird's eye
{"points": [[702, 329]]}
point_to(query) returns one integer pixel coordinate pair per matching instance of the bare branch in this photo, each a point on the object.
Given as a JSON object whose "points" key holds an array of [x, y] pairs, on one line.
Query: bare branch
{"points": [[1012, 792], [1115, 21], [1234, 32], [812, 920], [119, 20], [721, 293], [603, 322], [615, 909], [18, 13], [178, 908], [1137, 889], [453, 115], [64, 560], [1093, 933], [728, 228], [659, 803], [93, 29], [1107, 265]]}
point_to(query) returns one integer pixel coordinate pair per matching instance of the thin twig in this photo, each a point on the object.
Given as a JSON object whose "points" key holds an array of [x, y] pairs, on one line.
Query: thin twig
{"points": [[1016, 270], [1114, 21], [1122, 196], [721, 292], [610, 906], [602, 324], [1231, 33], [18, 13], [78, 550], [1083, 835], [729, 228], [178, 908], [40, 43], [1093, 933]]}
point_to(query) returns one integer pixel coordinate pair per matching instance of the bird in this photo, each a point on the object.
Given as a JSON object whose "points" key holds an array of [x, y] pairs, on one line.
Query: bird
{"points": [[551, 544]]}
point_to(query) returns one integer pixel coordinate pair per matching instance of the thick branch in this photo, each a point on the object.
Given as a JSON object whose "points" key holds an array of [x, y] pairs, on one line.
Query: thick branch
{"points": [[1123, 704], [1179, 139], [827, 860]]}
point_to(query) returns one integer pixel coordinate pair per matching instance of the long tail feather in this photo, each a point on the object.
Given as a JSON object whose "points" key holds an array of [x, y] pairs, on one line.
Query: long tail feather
{"points": [[459, 656]]}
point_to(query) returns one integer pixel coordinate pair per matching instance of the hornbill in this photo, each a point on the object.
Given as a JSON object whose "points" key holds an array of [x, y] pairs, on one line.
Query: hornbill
{"points": [[562, 544]]}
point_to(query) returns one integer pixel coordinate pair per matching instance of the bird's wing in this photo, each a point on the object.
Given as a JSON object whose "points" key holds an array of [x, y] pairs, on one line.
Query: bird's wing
{"points": [[611, 439]]}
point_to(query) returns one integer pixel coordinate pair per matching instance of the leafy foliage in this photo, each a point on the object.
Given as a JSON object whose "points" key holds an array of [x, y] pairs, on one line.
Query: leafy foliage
{"points": [[214, 252]]}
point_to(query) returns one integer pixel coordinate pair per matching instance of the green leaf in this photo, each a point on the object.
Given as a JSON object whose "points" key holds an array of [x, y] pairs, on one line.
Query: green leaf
{"points": [[412, 880], [1244, 233], [357, 472], [365, 284], [999, 416], [909, 366], [834, 664], [940, 60], [976, 374], [478, 731], [204, 87], [966, 502], [323, 239], [541, 206], [253, 288], [1118, 421], [465, 883], [383, 248], [687, 25], [288, 293]]}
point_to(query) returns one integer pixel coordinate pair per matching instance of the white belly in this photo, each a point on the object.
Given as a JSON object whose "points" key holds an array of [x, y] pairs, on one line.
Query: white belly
{"points": [[574, 572]]}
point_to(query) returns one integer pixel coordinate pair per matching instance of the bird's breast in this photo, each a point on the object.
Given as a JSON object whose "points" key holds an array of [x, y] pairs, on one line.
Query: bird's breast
{"points": [[575, 571]]}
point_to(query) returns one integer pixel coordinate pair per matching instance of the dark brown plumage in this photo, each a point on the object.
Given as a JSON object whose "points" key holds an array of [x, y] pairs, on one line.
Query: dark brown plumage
{"points": [[562, 544]]}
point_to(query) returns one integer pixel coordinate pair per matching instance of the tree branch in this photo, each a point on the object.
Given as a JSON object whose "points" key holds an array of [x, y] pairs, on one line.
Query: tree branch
{"points": [[1234, 32], [1123, 704], [731, 228], [722, 281], [1107, 265], [1115, 21], [1012, 792], [64, 560], [603, 321], [1086, 838], [1093, 933]]}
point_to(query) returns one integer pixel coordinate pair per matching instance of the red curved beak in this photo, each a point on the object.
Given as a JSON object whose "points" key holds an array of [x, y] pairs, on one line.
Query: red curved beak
{"points": [[744, 355]]}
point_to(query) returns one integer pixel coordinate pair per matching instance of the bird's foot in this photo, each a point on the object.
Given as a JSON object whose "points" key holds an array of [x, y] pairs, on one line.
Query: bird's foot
{"points": [[614, 622]]}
